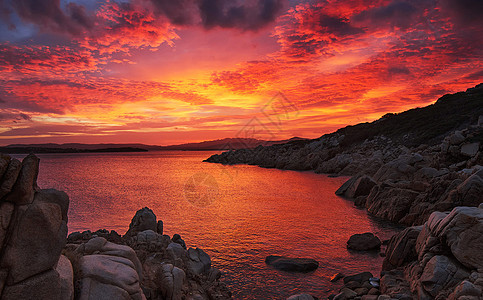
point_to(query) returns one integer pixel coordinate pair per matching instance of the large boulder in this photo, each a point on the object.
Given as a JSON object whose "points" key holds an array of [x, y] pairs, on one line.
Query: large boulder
{"points": [[390, 203], [462, 229], [363, 242], [66, 276], [401, 248], [43, 286], [38, 236], [442, 273], [10, 176], [292, 264], [144, 219], [105, 276], [100, 245], [24, 188], [199, 261], [361, 187]]}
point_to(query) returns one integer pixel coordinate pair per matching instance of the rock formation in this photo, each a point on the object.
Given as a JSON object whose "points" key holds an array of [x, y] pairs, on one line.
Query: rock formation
{"points": [[33, 230], [403, 167], [442, 259], [154, 266]]}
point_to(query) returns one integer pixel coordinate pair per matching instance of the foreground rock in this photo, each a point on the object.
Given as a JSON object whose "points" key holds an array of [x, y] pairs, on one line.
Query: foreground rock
{"points": [[443, 259], [364, 242], [292, 264], [33, 229], [143, 264]]}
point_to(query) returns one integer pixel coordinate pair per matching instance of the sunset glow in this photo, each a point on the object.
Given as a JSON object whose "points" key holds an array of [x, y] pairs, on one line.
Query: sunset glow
{"points": [[168, 72]]}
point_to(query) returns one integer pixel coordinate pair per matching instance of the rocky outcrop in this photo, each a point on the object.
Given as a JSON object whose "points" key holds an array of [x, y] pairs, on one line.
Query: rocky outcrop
{"points": [[154, 266], [33, 230], [404, 167], [291, 264], [441, 259], [364, 242]]}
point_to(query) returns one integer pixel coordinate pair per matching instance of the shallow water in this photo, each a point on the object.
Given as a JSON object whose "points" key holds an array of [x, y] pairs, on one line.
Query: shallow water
{"points": [[237, 214]]}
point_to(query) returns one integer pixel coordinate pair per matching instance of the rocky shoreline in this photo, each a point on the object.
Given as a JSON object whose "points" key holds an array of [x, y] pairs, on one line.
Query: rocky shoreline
{"points": [[398, 178], [438, 257]]}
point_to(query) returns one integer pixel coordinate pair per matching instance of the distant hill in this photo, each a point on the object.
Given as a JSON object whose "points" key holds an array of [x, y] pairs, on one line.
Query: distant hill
{"points": [[222, 144]]}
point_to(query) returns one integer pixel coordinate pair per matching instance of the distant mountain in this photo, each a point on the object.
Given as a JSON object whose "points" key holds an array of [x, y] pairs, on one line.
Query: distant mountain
{"points": [[222, 144]]}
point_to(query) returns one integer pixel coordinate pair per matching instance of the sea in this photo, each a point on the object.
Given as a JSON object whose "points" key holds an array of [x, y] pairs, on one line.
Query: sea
{"points": [[237, 214]]}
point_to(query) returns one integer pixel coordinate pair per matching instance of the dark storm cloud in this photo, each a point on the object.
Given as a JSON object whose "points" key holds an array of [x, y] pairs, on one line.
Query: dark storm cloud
{"points": [[244, 15], [395, 14], [337, 26], [398, 70], [465, 12], [48, 15]]}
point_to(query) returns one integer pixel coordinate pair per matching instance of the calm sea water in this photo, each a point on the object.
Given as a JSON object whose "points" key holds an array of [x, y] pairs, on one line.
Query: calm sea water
{"points": [[237, 214]]}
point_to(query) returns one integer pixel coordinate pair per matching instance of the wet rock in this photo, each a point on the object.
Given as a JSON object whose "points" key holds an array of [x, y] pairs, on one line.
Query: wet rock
{"points": [[360, 277], [292, 264], [336, 277], [363, 242], [401, 248]]}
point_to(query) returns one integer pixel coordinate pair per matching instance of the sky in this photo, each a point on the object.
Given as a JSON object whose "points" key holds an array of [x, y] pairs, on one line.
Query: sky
{"points": [[167, 72]]}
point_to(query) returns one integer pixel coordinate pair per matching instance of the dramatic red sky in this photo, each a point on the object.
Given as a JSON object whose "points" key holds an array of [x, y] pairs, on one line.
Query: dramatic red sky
{"points": [[167, 72]]}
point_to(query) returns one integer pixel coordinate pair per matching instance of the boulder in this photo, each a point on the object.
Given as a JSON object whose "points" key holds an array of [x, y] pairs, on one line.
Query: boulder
{"points": [[456, 138], [292, 264], [442, 273], [171, 280], [144, 219], [199, 261], [360, 277], [462, 229], [106, 276], [470, 149], [38, 236], [466, 289], [363, 242], [401, 248], [10, 176], [100, 245], [43, 286], [24, 188], [66, 276], [345, 186], [361, 187]]}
